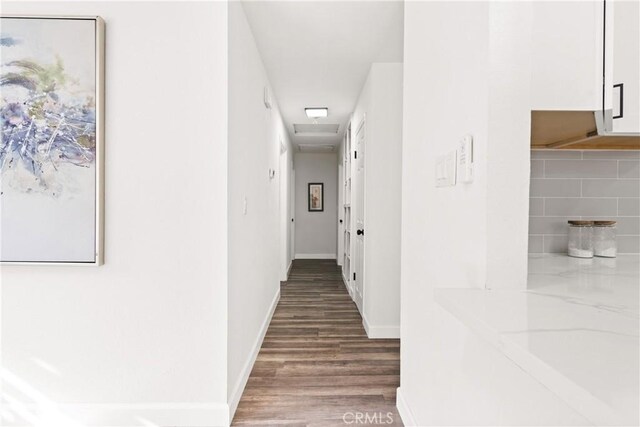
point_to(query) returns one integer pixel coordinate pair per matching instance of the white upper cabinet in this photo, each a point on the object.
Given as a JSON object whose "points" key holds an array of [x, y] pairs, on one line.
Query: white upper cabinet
{"points": [[567, 63], [625, 61], [586, 57]]}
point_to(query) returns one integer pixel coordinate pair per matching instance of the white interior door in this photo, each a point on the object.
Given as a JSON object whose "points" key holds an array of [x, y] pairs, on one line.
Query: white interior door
{"points": [[284, 213], [358, 276], [340, 213], [292, 234]]}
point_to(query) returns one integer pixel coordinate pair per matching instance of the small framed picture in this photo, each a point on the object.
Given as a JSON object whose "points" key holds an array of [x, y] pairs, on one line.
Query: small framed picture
{"points": [[316, 197]]}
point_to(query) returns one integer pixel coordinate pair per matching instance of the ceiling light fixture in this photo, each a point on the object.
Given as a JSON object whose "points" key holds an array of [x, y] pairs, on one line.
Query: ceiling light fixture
{"points": [[316, 112]]}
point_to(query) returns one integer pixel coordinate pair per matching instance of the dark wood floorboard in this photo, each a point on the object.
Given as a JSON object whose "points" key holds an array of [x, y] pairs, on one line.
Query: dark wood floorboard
{"points": [[316, 363]]}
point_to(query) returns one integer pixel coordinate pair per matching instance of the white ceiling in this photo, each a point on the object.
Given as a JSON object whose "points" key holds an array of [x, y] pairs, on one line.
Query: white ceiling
{"points": [[318, 54]]}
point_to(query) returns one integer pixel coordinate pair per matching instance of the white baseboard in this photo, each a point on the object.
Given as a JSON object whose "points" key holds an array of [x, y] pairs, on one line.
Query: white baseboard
{"points": [[238, 389], [403, 410], [316, 256], [346, 285], [289, 269], [380, 331], [120, 415], [345, 281]]}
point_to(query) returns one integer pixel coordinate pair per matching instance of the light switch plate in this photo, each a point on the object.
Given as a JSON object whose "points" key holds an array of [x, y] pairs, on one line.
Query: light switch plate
{"points": [[446, 170], [465, 159]]}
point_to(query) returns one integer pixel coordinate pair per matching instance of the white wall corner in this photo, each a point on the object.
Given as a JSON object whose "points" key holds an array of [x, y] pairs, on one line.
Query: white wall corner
{"points": [[380, 331], [238, 389], [508, 150], [403, 409], [289, 269]]}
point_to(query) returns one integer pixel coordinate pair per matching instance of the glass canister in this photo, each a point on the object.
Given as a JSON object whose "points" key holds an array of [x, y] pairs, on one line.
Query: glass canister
{"points": [[581, 239], [604, 239]]}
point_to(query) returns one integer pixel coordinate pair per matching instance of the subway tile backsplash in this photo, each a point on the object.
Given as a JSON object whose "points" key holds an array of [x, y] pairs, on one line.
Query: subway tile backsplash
{"points": [[629, 169], [580, 168], [580, 206], [629, 207], [583, 185]]}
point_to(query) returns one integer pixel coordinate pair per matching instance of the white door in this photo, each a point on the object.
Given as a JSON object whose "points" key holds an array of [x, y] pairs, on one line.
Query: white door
{"points": [[358, 274], [340, 213], [292, 191], [284, 213]]}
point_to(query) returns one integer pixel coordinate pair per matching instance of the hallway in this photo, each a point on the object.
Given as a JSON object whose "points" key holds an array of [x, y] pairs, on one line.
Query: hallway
{"points": [[316, 366]]}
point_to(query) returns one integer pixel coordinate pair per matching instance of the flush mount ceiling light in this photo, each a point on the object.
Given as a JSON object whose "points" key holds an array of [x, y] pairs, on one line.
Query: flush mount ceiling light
{"points": [[316, 112]]}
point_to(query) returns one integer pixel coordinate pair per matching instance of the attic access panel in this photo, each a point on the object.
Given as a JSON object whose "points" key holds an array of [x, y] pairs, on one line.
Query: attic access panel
{"points": [[316, 128]]}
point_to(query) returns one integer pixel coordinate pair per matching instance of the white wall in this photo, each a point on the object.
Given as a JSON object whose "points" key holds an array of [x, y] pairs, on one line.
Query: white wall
{"points": [[254, 236], [316, 231], [381, 102], [508, 144], [144, 336], [471, 235]]}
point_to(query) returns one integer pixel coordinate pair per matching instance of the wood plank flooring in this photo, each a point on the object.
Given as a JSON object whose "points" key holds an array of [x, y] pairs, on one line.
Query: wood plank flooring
{"points": [[317, 367]]}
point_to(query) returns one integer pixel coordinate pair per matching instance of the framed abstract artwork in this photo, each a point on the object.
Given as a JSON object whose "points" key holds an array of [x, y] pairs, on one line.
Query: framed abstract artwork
{"points": [[316, 197], [52, 145]]}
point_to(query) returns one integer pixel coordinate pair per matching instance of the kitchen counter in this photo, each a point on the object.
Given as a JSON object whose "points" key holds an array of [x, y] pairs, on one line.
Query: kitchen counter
{"points": [[575, 330]]}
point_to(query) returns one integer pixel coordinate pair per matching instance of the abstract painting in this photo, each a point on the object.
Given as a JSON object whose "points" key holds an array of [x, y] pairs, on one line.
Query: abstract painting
{"points": [[316, 197], [51, 143]]}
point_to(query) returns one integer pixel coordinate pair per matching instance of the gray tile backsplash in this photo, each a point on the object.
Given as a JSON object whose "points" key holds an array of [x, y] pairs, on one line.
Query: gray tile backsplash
{"points": [[583, 185], [629, 169], [556, 154], [554, 225], [628, 244], [555, 187], [555, 244], [535, 244], [536, 207], [580, 168], [537, 168], [601, 154], [576, 206], [610, 187], [629, 207]]}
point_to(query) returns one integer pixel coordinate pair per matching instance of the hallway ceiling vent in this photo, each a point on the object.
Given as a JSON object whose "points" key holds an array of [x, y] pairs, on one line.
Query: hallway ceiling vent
{"points": [[315, 128], [316, 148]]}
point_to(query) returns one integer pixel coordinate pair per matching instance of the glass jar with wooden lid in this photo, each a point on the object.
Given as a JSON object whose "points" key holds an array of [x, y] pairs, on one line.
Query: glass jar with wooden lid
{"points": [[580, 239], [604, 239]]}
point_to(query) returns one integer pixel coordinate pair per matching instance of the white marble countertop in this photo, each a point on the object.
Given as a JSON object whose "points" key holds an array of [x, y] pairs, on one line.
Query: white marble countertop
{"points": [[575, 330]]}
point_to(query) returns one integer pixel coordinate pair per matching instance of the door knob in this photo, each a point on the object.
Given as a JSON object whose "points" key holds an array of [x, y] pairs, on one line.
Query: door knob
{"points": [[360, 232]]}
